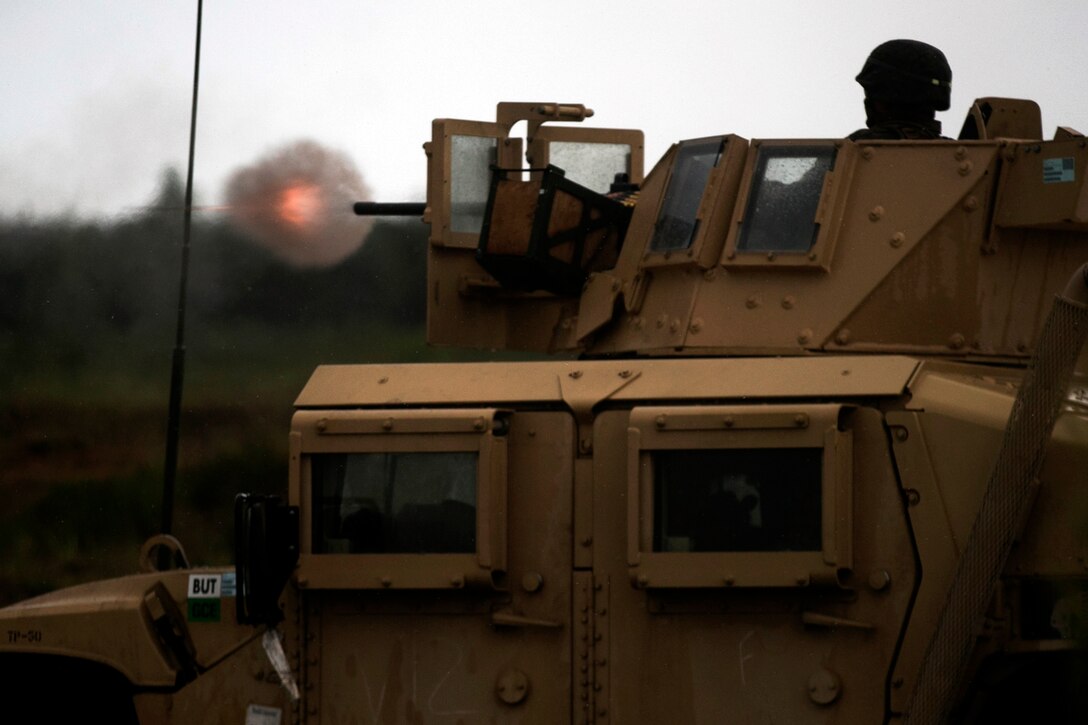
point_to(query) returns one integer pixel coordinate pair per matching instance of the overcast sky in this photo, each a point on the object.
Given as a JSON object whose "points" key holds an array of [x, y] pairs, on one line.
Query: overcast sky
{"points": [[95, 96]]}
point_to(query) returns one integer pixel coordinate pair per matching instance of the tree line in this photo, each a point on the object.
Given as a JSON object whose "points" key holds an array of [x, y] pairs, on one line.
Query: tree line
{"points": [[67, 284]]}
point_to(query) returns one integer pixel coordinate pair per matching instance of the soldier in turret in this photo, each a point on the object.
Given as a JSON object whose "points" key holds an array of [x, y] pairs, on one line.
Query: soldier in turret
{"points": [[906, 82]]}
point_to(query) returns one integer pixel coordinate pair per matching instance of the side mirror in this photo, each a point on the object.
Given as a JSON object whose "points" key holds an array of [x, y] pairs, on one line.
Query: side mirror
{"points": [[265, 554]]}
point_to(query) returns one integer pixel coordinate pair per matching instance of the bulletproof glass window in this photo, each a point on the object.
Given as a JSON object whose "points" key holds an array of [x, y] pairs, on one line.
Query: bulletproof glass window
{"points": [[676, 222], [766, 499], [738, 495], [395, 503], [471, 160], [593, 165], [785, 195]]}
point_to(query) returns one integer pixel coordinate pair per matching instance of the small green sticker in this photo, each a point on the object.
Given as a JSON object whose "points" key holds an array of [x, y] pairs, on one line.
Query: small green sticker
{"points": [[204, 610]]}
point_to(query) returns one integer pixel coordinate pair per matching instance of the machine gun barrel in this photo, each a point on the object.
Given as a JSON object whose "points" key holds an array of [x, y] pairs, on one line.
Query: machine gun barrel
{"points": [[401, 208]]}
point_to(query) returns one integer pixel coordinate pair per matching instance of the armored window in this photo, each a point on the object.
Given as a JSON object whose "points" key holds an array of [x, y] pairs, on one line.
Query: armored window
{"points": [[395, 503], [781, 213], [677, 221], [401, 499], [589, 156], [762, 499], [791, 203], [745, 496], [470, 181], [593, 165]]}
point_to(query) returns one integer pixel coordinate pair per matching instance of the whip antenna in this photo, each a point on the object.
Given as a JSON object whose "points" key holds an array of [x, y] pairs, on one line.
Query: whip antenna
{"points": [[177, 368]]}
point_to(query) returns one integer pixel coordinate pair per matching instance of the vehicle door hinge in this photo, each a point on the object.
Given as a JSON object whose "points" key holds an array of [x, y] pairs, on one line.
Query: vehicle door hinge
{"points": [[591, 647]]}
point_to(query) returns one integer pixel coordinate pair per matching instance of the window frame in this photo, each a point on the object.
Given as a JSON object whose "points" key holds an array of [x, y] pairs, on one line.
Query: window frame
{"points": [[714, 210], [660, 428], [829, 211], [482, 431], [440, 174], [540, 145]]}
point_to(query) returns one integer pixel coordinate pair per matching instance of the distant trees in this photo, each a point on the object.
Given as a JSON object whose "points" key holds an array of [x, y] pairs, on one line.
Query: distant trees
{"points": [[66, 283]]}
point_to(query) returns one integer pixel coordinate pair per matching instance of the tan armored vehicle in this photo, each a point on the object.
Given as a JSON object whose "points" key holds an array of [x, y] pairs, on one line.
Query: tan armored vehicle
{"points": [[815, 451]]}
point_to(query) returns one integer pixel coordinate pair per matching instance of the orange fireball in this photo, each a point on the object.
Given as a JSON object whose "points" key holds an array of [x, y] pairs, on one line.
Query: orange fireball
{"points": [[300, 204], [296, 201]]}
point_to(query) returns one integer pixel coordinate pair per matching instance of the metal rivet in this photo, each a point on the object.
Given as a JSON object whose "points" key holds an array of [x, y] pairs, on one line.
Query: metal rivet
{"points": [[876, 213], [879, 579], [511, 686], [788, 302], [897, 239], [824, 686]]}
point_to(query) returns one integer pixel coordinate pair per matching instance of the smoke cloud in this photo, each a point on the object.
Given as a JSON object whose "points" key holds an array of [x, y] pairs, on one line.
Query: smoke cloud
{"points": [[296, 201]]}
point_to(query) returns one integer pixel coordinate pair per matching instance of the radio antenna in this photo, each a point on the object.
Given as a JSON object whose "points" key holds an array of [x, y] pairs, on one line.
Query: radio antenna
{"points": [[177, 368]]}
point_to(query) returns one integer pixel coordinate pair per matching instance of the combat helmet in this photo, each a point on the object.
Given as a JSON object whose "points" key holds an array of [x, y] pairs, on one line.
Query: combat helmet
{"points": [[907, 73]]}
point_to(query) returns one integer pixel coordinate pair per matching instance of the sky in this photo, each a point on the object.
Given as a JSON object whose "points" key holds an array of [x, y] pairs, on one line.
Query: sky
{"points": [[95, 97]]}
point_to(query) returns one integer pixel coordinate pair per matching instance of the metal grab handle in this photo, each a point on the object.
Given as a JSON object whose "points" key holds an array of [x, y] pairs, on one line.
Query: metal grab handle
{"points": [[509, 619]]}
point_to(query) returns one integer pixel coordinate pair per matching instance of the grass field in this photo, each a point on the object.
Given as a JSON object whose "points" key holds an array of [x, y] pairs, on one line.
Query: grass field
{"points": [[82, 442]]}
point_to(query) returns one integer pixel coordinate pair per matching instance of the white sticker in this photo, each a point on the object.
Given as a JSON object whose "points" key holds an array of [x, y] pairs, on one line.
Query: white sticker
{"points": [[1057, 171], [261, 715], [229, 584], [204, 586]]}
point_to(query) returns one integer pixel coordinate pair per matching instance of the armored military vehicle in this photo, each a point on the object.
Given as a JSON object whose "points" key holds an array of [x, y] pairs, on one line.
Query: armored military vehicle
{"points": [[813, 449]]}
